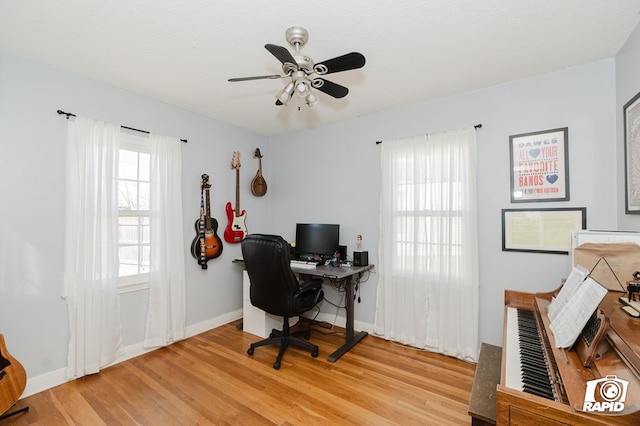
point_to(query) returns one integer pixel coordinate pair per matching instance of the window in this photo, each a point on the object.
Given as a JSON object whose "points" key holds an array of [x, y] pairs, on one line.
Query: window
{"points": [[133, 212], [124, 219], [428, 216], [428, 254]]}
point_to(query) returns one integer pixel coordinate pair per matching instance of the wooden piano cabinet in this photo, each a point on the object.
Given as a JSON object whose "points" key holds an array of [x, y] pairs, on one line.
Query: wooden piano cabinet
{"points": [[521, 409], [622, 359], [520, 416]]}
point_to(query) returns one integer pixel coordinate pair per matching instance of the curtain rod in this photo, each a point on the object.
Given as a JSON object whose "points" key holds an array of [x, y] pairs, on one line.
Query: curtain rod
{"points": [[477, 126], [68, 114]]}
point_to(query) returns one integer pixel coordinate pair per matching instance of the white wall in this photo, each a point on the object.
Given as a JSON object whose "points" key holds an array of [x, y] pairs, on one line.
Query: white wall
{"points": [[627, 86], [329, 174]]}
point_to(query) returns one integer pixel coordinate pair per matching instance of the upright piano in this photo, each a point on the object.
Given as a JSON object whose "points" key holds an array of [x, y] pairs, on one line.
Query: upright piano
{"points": [[544, 385]]}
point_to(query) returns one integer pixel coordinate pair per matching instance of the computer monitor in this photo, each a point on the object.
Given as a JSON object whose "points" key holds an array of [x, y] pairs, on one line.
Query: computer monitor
{"points": [[316, 240]]}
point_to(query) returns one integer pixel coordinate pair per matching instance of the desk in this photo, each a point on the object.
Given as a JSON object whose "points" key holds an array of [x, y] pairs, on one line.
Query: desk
{"points": [[254, 320], [339, 273]]}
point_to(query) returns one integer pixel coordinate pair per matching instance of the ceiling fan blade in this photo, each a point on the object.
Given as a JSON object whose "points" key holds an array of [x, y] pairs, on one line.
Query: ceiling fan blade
{"points": [[258, 77], [282, 53], [330, 88], [349, 61]]}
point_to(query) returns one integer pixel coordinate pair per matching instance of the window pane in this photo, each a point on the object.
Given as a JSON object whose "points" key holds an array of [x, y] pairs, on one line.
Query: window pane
{"points": [[127, 195], [145, 230], [128, 270], [128, 235], [128, 165], [144, 263], [128, 260], [143, 194], [145, 161], [128, 230]]}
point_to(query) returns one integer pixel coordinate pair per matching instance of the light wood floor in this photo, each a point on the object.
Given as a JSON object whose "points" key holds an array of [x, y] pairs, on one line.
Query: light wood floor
{"points": [[210, 379]]}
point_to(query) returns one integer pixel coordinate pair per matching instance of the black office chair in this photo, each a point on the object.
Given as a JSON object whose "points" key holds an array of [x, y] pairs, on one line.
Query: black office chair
{"points": [[276, 290]]}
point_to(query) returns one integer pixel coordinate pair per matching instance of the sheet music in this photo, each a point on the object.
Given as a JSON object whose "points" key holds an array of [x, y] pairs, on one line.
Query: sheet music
{"points": [[578, 274], [573, 316]]}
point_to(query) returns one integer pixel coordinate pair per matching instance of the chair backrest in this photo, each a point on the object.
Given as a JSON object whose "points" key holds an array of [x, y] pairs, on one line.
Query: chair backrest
{"points": [[273, 284]]}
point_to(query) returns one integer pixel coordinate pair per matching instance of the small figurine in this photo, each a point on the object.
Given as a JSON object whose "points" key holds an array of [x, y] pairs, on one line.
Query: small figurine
{"points": [[335, 260], [633, 287], [359, 242]]}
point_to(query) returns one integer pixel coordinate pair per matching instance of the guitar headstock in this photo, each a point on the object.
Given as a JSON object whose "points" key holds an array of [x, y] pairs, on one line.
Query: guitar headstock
{"points": [[204, 182], [257, 154], [235, 161]]}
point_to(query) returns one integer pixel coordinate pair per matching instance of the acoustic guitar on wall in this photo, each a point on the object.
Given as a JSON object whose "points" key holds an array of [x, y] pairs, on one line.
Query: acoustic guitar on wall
{"points": [[206, 245], [258, 184], [236, 228], [13, 380]]}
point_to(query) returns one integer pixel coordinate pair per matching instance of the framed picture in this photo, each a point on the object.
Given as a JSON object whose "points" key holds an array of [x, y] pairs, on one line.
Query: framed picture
{"points": [[541, 230], [540, 166], [632, 155]]}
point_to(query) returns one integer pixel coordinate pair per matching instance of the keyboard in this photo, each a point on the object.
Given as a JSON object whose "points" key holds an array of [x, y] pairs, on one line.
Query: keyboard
{"points": [[303, 264]]}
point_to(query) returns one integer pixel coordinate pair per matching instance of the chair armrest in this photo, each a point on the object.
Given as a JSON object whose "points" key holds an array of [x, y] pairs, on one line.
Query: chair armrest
{"points": [[312, 284]]}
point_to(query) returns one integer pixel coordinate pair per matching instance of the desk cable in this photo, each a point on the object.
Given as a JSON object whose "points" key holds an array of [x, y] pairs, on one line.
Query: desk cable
{"points": [[325, 324], [338, 284]]}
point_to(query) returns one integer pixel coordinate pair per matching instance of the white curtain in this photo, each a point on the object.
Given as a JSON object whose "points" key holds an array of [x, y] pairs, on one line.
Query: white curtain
{"points": [[166, 315], [428, 253], [91, 265]]}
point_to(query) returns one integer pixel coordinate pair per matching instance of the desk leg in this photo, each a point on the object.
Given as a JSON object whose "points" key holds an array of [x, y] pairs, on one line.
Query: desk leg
{"points": [[351, 339]]}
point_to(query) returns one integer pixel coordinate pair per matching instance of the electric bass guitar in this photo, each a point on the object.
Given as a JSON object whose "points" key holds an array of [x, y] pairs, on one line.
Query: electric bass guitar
{"points": [[206, 245], [13, 379], [236, 228], [258, 184]]}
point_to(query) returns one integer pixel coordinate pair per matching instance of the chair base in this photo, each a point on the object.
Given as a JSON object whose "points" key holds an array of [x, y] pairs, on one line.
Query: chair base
{"points": [[285, 339]]}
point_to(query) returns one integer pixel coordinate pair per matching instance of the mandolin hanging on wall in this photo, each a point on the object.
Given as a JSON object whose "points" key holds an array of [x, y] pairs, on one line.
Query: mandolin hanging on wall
{"points": [[258, 184]]}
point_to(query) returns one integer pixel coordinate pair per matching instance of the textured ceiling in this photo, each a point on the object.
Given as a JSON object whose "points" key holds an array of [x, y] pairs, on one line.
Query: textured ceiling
{"points": [[183, 52]]}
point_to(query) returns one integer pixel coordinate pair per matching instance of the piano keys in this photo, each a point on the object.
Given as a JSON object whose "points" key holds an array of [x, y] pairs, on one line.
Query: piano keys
{"points": [[541, 384], [527, 368]]}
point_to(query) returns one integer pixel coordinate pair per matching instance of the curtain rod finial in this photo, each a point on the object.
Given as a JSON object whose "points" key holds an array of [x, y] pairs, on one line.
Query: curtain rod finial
{"points": [[61, 112]]}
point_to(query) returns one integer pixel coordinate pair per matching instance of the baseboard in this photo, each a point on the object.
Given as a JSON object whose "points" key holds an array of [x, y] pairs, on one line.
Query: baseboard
{"points": [[57, 377], [45, 381]]}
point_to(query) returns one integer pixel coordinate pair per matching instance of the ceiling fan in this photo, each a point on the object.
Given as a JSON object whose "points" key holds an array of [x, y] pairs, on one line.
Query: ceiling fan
{"points": [[303, 73]]}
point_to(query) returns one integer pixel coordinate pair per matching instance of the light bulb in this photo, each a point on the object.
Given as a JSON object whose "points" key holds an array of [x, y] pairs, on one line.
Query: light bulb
{"points": [[302, 88], [285, 95], [311, 99]]}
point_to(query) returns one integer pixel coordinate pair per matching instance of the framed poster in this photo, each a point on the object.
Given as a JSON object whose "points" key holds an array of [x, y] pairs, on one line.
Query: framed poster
{"points": [[541, 230], [540, 166], [632, 155]]}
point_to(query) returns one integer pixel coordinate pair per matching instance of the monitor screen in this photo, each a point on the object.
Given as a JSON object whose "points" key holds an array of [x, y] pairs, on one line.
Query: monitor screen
{"points": [[316, 240]]}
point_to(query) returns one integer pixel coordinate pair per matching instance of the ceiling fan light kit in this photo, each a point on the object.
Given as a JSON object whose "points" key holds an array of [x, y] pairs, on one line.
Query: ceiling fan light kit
{"points": [[303, 73], [286, 93]]}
